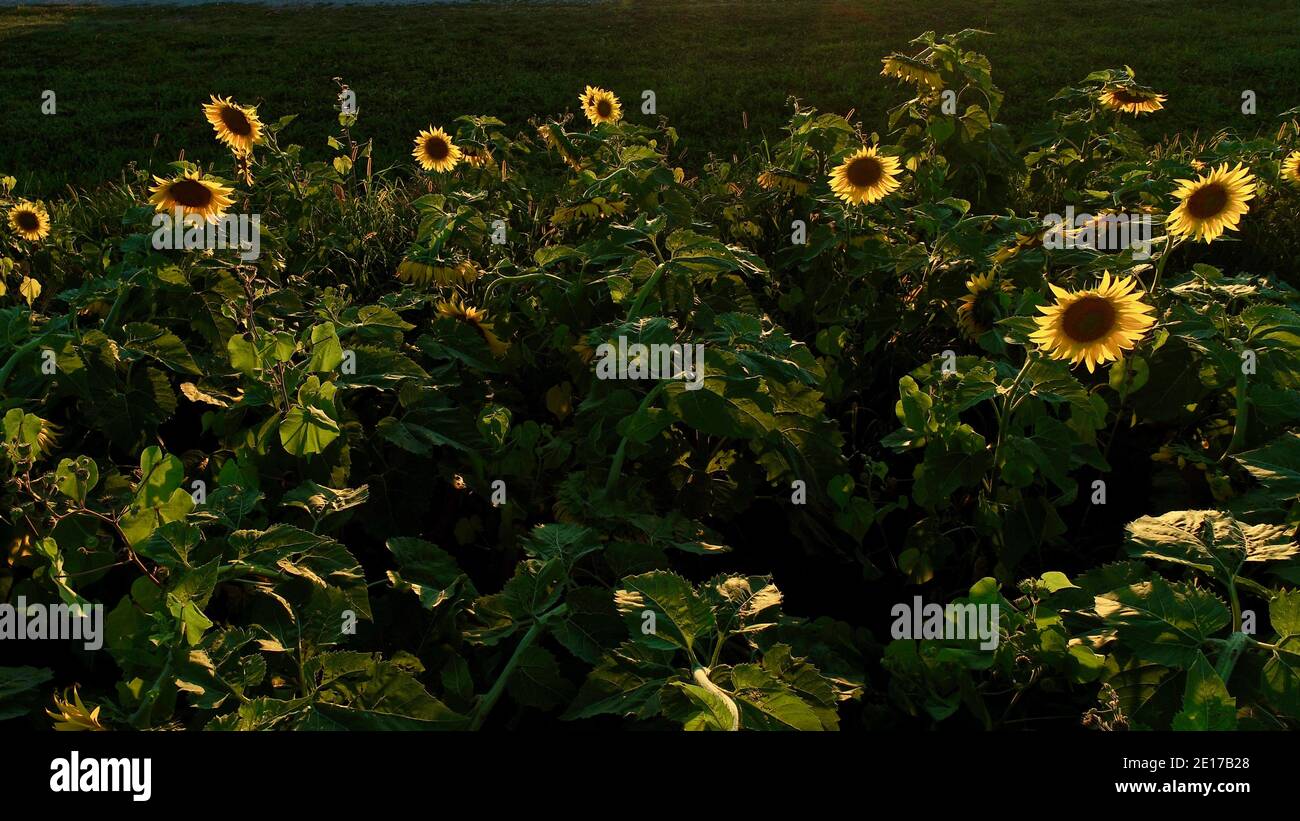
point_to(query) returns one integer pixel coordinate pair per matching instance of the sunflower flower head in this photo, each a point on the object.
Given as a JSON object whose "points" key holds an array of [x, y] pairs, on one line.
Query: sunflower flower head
{"points": [[192, 192], [73, 716], [600, 106], [423, 273], [244, 166], [1131, 99], [1024, 242], [30, 221], [979, 308], [778, 179], [435, 151], [1212, 203], [455, 309], [1093, 326], [865, 176], [910, 70], [1291, 168], [236, 126]]}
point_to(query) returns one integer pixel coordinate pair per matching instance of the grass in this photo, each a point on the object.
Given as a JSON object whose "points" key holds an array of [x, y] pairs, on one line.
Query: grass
{"points": [[129, 81]]}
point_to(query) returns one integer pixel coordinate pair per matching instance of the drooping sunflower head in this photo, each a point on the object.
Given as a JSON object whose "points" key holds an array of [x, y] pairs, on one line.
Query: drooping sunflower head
{"points": [[30, 221], [237, 126], [911, 70], [600, 106], [435, 151], [1212, 203], [865, 177], [1024, 242], [455, 309], [1093, 326], [243, 162], [979, 307], [1291, 168], [1131, 99], [193, 193], [782, 180], [440, 273], [73, 714]]}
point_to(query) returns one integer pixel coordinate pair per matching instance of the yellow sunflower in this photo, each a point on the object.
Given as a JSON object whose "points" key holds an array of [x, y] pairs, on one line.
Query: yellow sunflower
{"points": [[1212, 203], [73, 715], [1131, 99], [193, 193], [435, 151], [1024, 242], [455, 309], [1291, 168], [421, 273], [237, 126], [1093, 326], [30, 221], [910, 70], [243, 162], [865, 177], [783, 181], [600, 106], [979, 306]]}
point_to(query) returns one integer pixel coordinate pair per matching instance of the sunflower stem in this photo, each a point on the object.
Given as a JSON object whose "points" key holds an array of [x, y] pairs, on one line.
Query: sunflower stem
{"points": [[1164, 257]]}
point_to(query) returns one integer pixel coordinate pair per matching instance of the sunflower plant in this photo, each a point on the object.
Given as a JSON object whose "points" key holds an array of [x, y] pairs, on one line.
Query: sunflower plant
{"points": [[376, 477]]}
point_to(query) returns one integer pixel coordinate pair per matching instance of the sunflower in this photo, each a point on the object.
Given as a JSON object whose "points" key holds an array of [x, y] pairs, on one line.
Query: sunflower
{"points": [[435, 151], [865, 176], [73, 715], [455, 309], [30, 221], [1291, 168], [910, 70], [1093, 326], [480, 158], [1024, 242], [600, 106], [193, 193], [237, 126], [1131, 99], [979, 307], [1212, 203], [783, 181], [422, 273], [243, 162]]}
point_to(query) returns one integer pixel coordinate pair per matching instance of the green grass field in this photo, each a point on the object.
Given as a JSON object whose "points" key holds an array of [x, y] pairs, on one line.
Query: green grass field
{"points": [[129, 81]]}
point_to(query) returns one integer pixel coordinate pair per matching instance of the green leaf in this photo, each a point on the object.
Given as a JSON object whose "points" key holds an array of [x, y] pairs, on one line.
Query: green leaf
{"points": [[76, 477], [162, 345], [1276, 465], [680, 616], [767, 703], [1206, 703], [1162, 622]]}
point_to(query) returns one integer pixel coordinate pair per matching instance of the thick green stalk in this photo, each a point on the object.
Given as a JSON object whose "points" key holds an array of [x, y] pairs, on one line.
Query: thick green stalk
{"points": [[498, 687]]}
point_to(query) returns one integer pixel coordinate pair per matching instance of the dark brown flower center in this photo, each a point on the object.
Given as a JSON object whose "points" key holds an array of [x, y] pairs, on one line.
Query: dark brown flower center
{"points": [[27, 221], [864, 172], [437, 148], [1127, 96], [1208, 201], [1088, 319], [604, 108], [191, 193], [236, 121]]}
